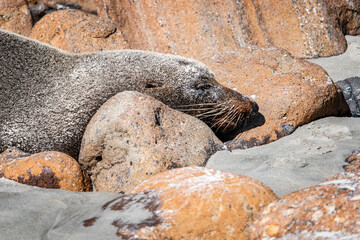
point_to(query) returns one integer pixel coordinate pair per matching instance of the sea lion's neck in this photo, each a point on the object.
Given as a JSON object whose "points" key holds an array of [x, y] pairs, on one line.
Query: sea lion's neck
{"points": [[23, 59]]}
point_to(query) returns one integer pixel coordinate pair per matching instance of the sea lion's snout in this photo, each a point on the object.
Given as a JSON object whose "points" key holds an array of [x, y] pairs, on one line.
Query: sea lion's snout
{"points": [[254, 107]]}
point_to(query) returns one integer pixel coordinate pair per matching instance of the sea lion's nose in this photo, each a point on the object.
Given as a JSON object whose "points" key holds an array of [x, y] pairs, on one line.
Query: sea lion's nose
{"points": [[254, 107]]}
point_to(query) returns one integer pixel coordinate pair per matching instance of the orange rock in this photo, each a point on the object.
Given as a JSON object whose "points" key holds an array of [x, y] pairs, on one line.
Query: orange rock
{"points": [[304, 28], [76, 31], [290, 92], [203, 203], [346, 14], [15, 16], [86, 5], [189, 28], [202, 28], [329, 210], [47, 169], [354, 162]]}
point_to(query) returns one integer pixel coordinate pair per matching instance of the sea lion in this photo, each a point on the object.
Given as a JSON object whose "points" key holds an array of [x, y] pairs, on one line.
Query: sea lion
{"points": [[47, 96]]}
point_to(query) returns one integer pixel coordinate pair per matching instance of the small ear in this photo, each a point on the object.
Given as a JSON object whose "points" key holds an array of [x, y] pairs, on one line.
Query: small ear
{"points": [[153, 85]]}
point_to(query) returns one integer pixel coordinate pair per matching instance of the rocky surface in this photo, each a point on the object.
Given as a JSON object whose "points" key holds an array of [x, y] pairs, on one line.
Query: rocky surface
{"points": [[204, 203], [311, 154], [47, 170], [197, 28], [15, 16], [84, 5], [76, 31], [290, 92], [309, 29], [329, 210], [133, 136], [200, 198]]}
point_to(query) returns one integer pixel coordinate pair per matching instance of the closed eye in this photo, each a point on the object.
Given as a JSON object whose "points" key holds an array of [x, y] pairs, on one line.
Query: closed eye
{"points": [[153, 85], [204, 86]]}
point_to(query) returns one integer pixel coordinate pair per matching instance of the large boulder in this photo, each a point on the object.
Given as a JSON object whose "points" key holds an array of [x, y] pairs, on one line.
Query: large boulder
{"points": [[329, 210], [133, 136], [76, 31], [204, 203], [188, 28], [290, 92], [199, 28]]}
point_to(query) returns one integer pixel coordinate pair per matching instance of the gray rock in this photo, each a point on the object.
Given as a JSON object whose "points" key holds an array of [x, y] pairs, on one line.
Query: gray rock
{"points": [[28, 212], [351, 90], [311, 154], [133, 136]]}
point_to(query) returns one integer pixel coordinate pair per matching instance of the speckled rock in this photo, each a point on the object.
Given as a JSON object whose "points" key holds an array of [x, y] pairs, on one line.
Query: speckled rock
{"points": [[47, 170], [290, 92], [15, 16], [203, 203], [203, 28], [189, 28], [330, 210], [133, 136], [354, 162], [85, 5], [76, 31], [309, 29]]}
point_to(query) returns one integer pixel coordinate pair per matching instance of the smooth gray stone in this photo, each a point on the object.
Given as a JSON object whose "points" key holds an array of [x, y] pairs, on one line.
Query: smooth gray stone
{"points": [[345, 65], [33, 213], [311, 154]]}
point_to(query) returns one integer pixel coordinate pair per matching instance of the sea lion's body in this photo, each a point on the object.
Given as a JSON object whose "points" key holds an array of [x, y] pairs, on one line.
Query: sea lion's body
{"points": [[47, 96]]}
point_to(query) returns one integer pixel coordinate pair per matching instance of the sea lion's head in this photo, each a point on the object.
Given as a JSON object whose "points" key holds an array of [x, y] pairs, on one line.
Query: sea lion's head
{"points": [[190, 87]]}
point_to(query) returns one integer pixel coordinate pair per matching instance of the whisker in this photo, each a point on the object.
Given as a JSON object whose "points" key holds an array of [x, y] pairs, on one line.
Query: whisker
{"points": [[193, 109], [197, 104]]}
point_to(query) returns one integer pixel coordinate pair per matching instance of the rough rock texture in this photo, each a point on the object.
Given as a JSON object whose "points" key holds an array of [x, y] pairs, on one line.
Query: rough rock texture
{"points": [[290, 92], [311, 154], [345, 14], [85, 5], [330, 210], [188, 28], [204, 204], [308, 28], [15, 16], [201, 28], [76, 31], [351, 90], [47, 170], [354, 162], [133, 136]]}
